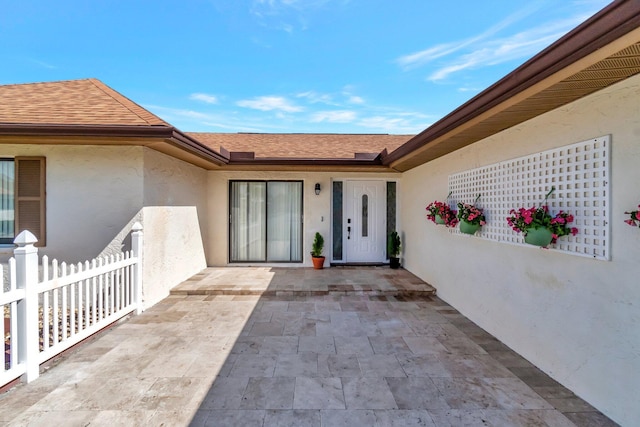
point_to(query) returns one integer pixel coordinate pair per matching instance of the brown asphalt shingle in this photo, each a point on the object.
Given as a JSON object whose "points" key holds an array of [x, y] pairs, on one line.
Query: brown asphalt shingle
{"points": [[72, 102], [301, 145]]}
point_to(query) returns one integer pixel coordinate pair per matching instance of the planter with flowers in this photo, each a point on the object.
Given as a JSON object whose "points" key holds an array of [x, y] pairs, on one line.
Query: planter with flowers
{"points": [[441, 213], [538, 226], [471, 217], [634, 218]]}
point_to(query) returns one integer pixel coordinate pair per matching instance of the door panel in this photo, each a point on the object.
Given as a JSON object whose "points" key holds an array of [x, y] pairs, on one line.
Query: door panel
{"points": [[365, 221]]}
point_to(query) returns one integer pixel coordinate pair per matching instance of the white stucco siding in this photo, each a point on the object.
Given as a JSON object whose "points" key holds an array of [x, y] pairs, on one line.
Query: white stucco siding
{"points": [[92, 193], [576, 318], [317, 209], [174, 219]]}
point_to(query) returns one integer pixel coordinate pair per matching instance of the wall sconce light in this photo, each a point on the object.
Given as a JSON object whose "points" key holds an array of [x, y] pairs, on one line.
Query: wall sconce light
{"points": [[317, 188]]}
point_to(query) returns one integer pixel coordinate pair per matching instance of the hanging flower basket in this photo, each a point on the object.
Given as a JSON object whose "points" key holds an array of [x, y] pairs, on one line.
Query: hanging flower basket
{"points": [[634, 218], [441, 213], [538, 224], [471, 217]]}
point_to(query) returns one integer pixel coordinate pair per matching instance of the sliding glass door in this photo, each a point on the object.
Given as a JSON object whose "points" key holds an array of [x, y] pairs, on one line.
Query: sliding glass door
{"points": [[266, 221]]}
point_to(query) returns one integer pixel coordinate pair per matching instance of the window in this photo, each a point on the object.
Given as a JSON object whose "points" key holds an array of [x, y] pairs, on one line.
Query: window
{"points": [[22, 198], [265, 221]]}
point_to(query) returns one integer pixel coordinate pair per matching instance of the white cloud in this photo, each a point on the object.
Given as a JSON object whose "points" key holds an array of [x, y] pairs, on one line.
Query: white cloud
{"points": [[343, 116], [209, 99], [485, 49], [315, 97], [397, 125], [270, 103]]}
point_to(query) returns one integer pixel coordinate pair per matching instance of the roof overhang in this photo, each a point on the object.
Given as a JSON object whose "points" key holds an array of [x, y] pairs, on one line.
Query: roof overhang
{"points": [[164, 139], [600, 52]]}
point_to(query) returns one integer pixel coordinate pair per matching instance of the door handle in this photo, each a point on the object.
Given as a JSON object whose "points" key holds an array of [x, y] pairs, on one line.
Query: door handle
{"points": [[348, 232]]}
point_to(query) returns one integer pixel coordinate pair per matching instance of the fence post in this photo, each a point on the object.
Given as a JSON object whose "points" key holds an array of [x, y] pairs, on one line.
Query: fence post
{"points": [[137, 240], [26, 256]]}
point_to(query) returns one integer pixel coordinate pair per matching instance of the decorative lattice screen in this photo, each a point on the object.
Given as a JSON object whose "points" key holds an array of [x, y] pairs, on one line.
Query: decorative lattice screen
{"points": [[580, 174]]}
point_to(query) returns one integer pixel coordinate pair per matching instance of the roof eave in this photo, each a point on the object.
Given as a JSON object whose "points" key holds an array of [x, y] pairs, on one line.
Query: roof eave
{"points": [[103, 134]]}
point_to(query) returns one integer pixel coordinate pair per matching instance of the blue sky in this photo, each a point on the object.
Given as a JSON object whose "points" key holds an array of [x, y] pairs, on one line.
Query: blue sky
{"points": [[327, 66]]}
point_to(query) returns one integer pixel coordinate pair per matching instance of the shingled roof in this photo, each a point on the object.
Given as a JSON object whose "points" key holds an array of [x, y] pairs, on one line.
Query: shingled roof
{"points": [[72, 102], [301, 145]]}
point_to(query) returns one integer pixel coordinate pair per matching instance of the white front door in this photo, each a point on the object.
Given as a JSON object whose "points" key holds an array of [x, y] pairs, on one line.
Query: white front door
{"points": [[365, 221]]}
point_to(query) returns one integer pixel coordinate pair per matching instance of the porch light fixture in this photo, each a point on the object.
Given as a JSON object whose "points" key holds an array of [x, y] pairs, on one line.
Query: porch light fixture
{"points": [[317, 188]]}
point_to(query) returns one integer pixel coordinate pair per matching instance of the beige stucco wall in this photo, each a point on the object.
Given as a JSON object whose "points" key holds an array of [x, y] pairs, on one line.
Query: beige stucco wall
{"points": [[576, 318], [317, 209], [174, 219]]}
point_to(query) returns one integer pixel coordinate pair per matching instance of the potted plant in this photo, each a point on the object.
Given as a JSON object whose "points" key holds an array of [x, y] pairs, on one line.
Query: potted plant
{"points": [[538, 226], [316, 251], [393, 249], [441, 213], [634, 219], [471, 217]]}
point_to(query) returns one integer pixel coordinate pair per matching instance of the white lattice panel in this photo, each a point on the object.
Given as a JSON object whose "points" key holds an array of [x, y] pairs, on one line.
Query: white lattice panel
{"points": [[580, 175]]}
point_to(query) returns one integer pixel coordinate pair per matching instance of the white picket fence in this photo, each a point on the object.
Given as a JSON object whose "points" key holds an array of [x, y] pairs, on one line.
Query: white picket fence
{"points": [[66, 304]]}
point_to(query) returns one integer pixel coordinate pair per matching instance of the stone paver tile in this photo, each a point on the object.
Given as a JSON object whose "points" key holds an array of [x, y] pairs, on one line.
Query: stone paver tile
{"points": [[348, 418], [510, 359], [394, 327], [514, 417], [571, 404], [460, 345], [253, 365], [424, 345], [589, 419], [353, 345], [534, 377], [263, 329], [279, 345], [380, 365], [427, 365], [247, 345], [466, 393], [174, 394], [512, 393], [53, 418], [318, 393], [302, 306], [404, 418], [225, 393], [235, 418], [122, 418], [300, 327], [424, 328], [112, 393], [185, 417], [286, 316], [472, 366], [317, 345], [416, 393], [269, 393], [296, 365], [327, 306], [292, 418], [343, 365], [367, 393], [553, 392], [389, 345], [460, 417]]}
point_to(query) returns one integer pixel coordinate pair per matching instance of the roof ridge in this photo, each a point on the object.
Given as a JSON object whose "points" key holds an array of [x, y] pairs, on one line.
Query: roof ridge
{"points": [[142, 113]]}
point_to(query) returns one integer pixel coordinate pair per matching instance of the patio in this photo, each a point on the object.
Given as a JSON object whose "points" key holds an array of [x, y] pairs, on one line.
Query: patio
{"points": [[241, 346]]}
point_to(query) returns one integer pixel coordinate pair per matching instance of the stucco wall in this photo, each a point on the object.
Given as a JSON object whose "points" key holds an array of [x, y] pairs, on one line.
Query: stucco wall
{"points": [[174, 219], [576, 318], [317, 209]]}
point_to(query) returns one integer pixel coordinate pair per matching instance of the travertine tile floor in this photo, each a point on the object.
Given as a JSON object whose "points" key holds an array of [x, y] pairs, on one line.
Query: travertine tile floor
{"points": [[319, 360]]}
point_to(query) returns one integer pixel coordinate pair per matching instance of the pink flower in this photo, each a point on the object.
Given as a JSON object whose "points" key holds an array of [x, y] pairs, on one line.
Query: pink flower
{"points": [[574, 231]]}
